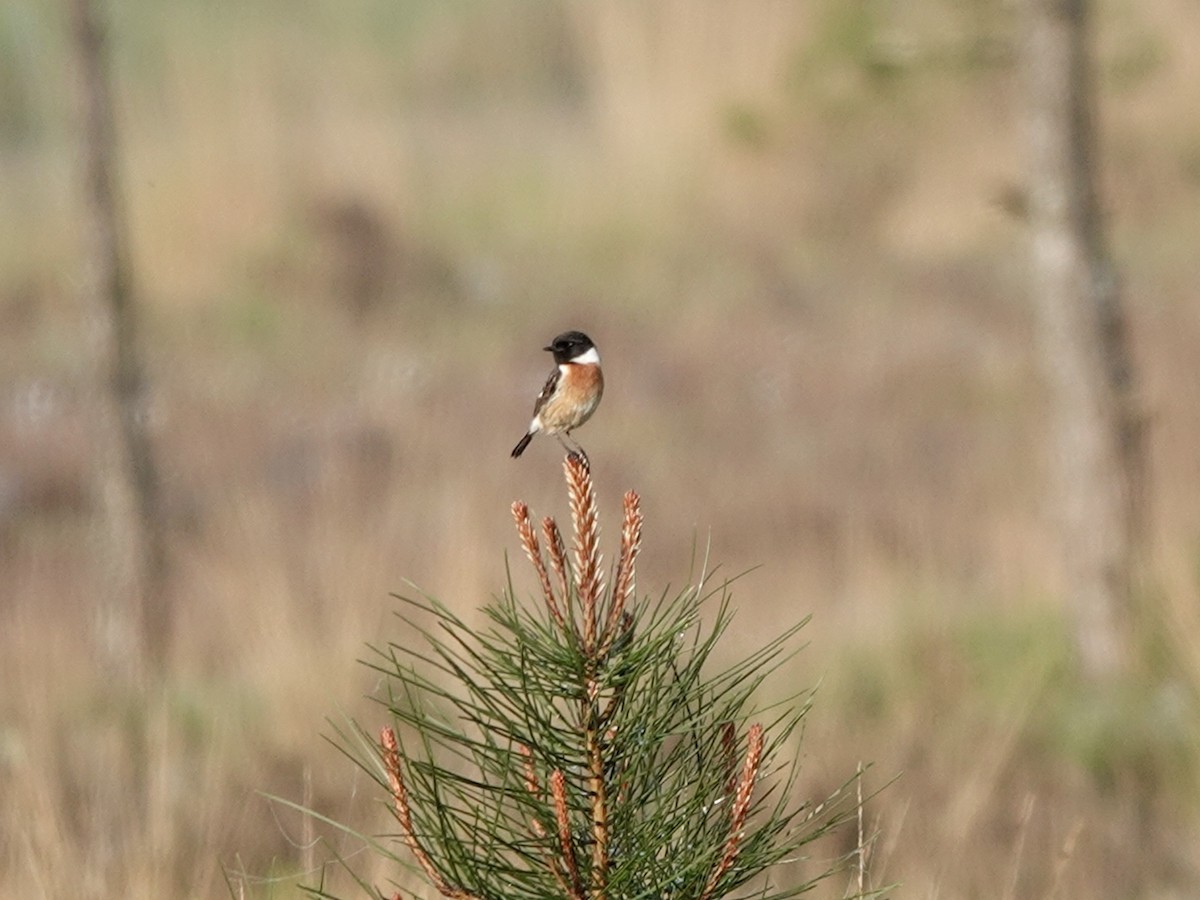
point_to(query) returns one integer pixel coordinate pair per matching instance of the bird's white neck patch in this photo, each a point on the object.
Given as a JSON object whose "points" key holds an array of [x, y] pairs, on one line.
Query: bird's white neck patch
{"points": [[588, 357]]}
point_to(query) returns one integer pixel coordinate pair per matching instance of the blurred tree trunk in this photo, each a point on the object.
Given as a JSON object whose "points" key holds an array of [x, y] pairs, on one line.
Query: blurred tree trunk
{"points": [[134, 616], [1096, 439]]}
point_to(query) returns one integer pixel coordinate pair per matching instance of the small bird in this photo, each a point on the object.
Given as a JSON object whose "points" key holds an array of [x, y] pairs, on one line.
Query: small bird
{"points": [[571, 394]]}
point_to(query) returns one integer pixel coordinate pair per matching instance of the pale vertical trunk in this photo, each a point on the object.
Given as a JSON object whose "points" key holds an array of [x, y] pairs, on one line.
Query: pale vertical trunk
{"points": [[1083, 343], [133, 614]]}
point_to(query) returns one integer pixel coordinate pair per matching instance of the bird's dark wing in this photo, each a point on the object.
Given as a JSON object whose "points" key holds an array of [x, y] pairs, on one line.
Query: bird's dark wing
{"points": [[547, 391]]}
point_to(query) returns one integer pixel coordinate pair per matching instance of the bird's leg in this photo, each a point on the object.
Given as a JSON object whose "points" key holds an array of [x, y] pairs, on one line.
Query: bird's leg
{"points": [[573, 448], [580, 453]]}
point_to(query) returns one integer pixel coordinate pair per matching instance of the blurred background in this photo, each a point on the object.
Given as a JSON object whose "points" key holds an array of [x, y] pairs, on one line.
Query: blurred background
{"points": [[788, 226]]}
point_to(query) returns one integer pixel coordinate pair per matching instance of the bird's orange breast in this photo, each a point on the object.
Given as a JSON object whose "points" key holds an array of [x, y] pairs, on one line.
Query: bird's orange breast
{"points": [[577, 397]]}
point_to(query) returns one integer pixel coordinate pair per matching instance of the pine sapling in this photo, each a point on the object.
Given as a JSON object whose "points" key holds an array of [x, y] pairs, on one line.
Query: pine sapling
{"points": [[588, 746]]}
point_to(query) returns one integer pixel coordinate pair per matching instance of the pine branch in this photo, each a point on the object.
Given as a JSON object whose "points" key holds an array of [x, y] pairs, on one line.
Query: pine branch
{"points": [[562, 816], [391, 757], [535, 823], [623, 583], [558, 557], [594, 741], [587, 550], [741, 806], [529, 542]]}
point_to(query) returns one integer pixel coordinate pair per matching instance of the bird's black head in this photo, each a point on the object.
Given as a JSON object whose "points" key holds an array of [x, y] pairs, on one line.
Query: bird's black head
{"points": [[569, 346]]}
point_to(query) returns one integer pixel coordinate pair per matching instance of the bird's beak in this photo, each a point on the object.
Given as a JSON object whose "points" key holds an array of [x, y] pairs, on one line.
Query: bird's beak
{"points": [[548, 349]]}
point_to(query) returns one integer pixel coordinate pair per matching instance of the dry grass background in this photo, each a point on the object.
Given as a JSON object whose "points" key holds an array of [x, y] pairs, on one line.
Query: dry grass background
{"points": [[354, 225]]}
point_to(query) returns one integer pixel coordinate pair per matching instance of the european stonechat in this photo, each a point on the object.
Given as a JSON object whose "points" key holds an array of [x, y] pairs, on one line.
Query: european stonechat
{"points": [[571, 394]]}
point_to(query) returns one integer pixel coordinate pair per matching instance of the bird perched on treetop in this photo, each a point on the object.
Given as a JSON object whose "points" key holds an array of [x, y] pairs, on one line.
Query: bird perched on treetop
{"points": [[571, 394]]}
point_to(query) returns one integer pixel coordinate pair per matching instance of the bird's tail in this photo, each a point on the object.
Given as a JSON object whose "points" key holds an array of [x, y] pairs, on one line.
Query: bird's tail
{"points": [[521, 445]]}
